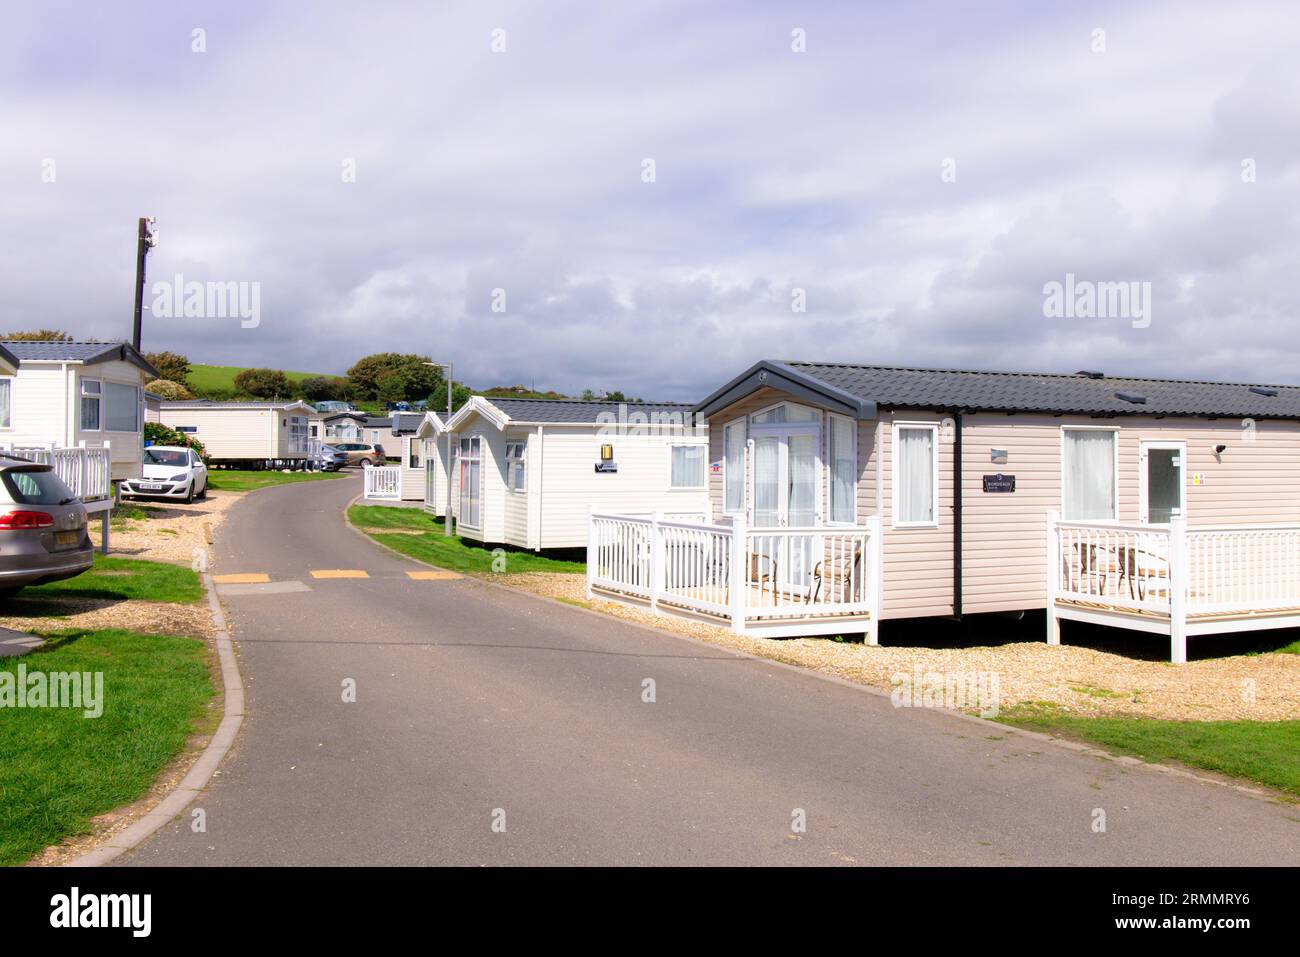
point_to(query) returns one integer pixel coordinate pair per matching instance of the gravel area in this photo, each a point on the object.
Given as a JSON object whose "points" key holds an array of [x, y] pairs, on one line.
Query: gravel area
{"points": [[1083, 681], [172, 531], [147, 617]]}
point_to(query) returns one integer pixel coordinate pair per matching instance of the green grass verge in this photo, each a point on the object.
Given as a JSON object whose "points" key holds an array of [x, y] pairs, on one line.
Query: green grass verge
{"points": [[241, 480], [125, 578], [1267, 752], [453, 552], [61, 769]]}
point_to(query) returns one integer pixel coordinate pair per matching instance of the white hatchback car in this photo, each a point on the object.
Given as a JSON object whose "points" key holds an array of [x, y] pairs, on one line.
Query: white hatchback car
{"points": [[169, 471]]}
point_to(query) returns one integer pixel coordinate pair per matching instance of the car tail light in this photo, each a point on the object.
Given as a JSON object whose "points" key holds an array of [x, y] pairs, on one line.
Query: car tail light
{"points": [[21, 519]]}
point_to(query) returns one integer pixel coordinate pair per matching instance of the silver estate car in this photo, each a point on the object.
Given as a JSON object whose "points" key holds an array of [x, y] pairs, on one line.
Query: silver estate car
{"points": [[43, 535]]}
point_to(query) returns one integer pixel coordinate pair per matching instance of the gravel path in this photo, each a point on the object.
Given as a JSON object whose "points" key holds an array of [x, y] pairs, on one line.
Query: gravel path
{"points": [[1084, 681]]}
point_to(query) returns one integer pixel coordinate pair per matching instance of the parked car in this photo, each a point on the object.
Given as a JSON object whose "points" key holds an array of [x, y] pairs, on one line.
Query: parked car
{"points": [[331, 458], [169, 471], [359, 453], [43, 536]]}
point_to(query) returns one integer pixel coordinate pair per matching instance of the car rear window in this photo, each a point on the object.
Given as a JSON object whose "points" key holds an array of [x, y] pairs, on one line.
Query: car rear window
{"points": [[166, 457], [36, 486]]}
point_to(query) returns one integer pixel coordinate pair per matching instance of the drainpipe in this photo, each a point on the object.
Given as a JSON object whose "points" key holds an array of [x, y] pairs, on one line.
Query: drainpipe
{"points": [[956, 515]]}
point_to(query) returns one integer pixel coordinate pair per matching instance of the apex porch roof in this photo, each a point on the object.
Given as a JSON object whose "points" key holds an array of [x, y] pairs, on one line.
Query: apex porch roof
{"points": [[859, 390]]}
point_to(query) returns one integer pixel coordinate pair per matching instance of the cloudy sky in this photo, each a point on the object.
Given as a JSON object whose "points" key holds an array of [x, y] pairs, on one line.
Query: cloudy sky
{"points": [[918, 171]]}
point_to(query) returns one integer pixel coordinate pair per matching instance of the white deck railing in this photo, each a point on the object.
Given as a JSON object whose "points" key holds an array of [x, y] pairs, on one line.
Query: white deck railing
{"points": [[87, 471], [1174, 572], [768, 577], [383, 482]]}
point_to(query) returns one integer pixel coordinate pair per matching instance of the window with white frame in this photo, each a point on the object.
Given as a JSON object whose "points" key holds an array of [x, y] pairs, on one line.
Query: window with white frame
{"points": [[123, 407], [6, 403], [413, 453], [1088, 491], [516, 470], [733, 455], [916, 474], [786, 412], [844, 469], [686, 466], [92, 402], [470, 480]]}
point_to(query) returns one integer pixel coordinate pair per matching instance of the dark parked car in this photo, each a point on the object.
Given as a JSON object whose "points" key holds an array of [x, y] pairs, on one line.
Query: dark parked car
{"points": [[43, 535]]}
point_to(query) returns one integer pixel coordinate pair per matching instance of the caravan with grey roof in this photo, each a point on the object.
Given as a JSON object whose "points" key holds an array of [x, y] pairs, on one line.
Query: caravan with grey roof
{"points": [[842, 496], [528, 472]]}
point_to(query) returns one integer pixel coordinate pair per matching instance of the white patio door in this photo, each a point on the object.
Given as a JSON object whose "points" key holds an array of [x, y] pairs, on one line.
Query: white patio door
{"points": [[1163, 481], [785, 495]]}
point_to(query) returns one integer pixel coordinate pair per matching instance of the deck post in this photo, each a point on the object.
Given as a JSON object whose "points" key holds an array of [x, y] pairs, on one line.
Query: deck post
{"points": [[657, 559], [875, 578], [739, 574], [1178, 590], [1052, 567], [593, 552]]}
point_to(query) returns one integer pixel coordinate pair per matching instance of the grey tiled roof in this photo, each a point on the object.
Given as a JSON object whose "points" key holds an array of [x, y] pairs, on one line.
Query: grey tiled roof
{"points": [[1051, 392], [578, 411], [85, 352]]}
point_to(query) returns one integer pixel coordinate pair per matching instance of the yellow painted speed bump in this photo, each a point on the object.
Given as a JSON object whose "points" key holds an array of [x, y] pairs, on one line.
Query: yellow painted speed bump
{"points": [[433, 576], [242, 578], [339, 573]]}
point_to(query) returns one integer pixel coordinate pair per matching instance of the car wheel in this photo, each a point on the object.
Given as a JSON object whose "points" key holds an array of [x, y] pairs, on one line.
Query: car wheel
{"points": [[203, 492], [189, 495], [364, 462]]}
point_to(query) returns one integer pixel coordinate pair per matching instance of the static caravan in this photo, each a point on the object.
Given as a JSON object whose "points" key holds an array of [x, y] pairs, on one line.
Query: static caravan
{"points": [[426, 468], [845, 495], [71, 395], [528, 472], [245, 434]]}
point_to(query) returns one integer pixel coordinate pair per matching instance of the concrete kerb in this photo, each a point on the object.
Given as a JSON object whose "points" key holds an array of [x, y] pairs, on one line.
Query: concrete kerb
{"points": [[192, 785]]}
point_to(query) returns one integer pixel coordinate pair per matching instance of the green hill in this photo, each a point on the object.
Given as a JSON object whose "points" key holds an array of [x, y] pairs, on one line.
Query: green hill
{"points": [[205, 379]]}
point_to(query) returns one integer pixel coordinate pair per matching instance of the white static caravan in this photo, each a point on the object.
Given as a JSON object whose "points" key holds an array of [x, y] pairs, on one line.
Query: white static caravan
{"points": [[71, 395], [425, 468], [529, 472], [851, 494], [245, 434]]}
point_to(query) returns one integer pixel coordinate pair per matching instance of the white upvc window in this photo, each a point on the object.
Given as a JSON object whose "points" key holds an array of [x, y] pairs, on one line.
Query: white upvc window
{"points": [[686, 466], [123, 414], [6, 402], [916, 475], [843, 460], [92, 405], [516, 466], [471, 475], [785, 412], [1090, 474], [413, 446], [733, 467]]}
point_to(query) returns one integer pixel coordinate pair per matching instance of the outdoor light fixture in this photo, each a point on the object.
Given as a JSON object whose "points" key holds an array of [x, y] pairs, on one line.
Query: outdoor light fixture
{"points": [[606, 463]]}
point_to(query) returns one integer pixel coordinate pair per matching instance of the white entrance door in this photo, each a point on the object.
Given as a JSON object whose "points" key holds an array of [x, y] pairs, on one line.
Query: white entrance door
{"points": [[785, 496], [1163, 481]]}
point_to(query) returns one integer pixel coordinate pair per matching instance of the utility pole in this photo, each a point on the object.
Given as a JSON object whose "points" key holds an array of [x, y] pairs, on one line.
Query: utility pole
{"points": [[145, 240]]}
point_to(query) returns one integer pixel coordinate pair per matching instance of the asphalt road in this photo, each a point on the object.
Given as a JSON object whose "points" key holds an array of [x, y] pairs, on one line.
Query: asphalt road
{"points": [[476, 706]]}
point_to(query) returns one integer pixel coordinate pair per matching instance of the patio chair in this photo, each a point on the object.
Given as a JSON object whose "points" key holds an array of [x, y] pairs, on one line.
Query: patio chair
{"points": [[836, 572], [1141, 568]]}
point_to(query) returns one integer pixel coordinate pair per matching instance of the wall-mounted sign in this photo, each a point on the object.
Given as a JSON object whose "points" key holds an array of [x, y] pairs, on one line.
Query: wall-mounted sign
{"points": [[999, 483], [606, 463], [606, 467]]}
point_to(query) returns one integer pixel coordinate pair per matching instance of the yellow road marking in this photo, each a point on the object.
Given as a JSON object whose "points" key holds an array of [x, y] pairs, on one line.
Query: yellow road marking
{"points": [[434, 576], [339, 573], [242, 578]]}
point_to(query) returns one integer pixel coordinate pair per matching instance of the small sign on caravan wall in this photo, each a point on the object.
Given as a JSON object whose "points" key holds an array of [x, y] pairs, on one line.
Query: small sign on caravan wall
{"points": [[999, 483]]}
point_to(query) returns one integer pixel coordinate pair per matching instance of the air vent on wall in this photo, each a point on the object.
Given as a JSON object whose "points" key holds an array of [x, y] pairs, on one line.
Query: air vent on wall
{"points": [[1262, 390], [1131, 397]]}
